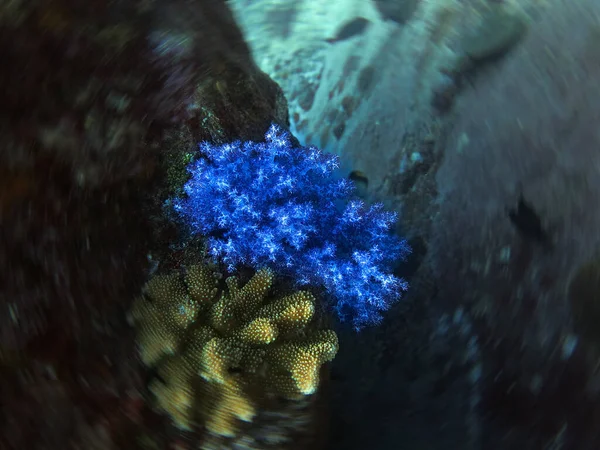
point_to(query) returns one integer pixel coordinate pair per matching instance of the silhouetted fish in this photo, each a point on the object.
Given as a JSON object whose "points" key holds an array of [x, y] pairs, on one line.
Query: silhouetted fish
{"points": [[361, 183], [350, 29], [400, 11], [359, 178], [528, 222]]}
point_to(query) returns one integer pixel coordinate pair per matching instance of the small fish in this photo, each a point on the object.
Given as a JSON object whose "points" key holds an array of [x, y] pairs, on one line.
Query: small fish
{"points": [[359, 178], [528, 222], [350, 29], [361, 183]]}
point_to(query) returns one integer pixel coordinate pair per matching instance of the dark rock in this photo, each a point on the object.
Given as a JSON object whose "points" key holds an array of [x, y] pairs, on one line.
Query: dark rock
{"points": [[519, 129], [90, 91]]}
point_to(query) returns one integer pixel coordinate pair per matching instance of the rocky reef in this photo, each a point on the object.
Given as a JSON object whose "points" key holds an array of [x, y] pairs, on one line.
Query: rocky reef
{"points": [[99, 101], [476, 120]]}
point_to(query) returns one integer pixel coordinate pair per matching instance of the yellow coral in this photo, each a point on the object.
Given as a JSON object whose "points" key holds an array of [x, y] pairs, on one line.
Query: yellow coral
{"points": [[163, 315], [212, 351]]}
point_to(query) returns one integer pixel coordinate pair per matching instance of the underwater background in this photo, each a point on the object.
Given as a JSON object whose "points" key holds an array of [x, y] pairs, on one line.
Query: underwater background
{"points": [[294, 224]]}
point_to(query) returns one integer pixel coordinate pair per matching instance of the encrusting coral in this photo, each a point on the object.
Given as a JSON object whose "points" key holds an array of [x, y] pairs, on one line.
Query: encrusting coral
{"points": [[218, 356]]}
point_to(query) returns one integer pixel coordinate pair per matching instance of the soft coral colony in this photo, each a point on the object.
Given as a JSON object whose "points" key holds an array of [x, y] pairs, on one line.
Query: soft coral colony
{"points": [[271, 204]]}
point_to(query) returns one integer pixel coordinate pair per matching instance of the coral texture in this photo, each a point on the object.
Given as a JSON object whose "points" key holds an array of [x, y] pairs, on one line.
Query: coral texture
{"points": [[272, 204], [214, 353]]}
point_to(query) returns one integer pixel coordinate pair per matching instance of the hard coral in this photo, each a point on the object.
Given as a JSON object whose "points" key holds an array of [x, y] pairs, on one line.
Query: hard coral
{"points": [[214, 353], [270, 204]]}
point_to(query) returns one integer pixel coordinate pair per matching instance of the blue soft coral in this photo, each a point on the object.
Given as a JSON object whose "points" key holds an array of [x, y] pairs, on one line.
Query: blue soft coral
{"points": [[271, 204]]}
